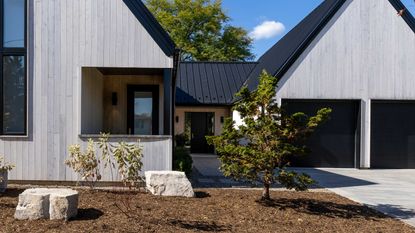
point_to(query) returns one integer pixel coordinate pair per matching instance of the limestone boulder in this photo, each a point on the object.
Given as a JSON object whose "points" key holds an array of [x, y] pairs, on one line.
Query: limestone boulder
{"points": [[63, 204], [168, 183], [44, 203]]}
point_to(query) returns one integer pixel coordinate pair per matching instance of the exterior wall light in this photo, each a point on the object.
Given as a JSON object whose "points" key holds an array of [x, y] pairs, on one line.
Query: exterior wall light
{"points": [[114, 99]]}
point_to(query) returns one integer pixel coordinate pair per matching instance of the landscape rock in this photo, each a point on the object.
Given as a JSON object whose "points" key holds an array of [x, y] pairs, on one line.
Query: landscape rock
{"points": [[44, 203], [63, 204], [168, 183]]}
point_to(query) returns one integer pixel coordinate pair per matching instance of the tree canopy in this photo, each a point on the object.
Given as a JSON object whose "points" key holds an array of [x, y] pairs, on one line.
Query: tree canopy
{"points": [[260, 150], [201, 29]]}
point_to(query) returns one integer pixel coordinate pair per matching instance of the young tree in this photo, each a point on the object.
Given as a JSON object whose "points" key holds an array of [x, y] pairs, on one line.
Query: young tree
{"points": [[260, 150], [200, 28]]}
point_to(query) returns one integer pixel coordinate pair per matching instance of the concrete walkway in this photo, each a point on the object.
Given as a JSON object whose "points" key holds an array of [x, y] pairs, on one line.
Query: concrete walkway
{"points": [[389, 191], [206, 173]]}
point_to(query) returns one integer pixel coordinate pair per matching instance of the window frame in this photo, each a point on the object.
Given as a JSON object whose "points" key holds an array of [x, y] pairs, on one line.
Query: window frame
{"points": [[13, 51], [131, 89]]}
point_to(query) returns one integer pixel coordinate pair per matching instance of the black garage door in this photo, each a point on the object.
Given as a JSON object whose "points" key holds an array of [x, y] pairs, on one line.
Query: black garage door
{"points": [[334, 144], [392, 135]]}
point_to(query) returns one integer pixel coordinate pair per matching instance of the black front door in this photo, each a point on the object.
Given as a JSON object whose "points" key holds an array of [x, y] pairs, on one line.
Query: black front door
{"points": [[201, 126]]}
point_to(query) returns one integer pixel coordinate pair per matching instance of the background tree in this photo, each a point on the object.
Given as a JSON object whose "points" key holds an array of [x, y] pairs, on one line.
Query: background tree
{"points": [[201, 29], [261, 149]]}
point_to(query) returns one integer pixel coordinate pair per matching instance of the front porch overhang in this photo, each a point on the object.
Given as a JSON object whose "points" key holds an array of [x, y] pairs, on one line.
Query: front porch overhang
{"points": [[117, 101]]}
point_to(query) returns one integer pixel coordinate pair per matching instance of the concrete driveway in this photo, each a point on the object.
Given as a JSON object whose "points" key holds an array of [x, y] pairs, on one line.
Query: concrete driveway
{"points": [[389, 191]]}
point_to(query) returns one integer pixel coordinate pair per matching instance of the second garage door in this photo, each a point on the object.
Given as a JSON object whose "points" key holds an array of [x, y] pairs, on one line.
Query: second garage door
{"points": [[336, 143], [392, 134]]}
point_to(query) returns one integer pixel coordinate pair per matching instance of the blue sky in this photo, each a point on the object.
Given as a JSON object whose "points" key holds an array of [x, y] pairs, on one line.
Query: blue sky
{"points": [[251, 13]]}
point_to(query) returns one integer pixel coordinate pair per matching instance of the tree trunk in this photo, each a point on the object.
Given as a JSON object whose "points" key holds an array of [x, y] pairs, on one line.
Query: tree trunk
{"points": [[265, 192]]}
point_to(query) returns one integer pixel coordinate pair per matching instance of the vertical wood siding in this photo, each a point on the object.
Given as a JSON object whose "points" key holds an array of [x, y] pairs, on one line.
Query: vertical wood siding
{"points": [[365, 52], [156, 151], [64, 36]]}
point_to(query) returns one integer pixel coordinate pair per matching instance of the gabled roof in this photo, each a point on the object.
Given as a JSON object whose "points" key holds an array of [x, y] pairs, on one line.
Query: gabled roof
{"points": [[153, 27], [286, 51], [210, 83]]}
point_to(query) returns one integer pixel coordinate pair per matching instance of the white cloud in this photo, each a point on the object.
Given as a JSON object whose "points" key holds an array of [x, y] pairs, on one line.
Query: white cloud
{"points": [[267, 29]]}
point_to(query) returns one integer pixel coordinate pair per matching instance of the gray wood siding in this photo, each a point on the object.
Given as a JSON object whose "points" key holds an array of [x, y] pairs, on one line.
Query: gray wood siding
{"points": [[64, 36], [156, 151], [365, 52]]}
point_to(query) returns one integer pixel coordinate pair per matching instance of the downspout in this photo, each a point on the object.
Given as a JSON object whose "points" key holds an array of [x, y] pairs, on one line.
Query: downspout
{"points": [[176, 60]]}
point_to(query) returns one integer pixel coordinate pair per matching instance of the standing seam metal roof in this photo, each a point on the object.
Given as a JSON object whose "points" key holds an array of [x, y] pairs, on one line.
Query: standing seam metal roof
{"points": [[210, 83]]}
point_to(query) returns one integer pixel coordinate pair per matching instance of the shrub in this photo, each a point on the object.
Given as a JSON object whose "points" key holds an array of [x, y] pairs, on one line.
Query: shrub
{"points": [[182, 161], [4, 167], [271, 139], [124, 157], [180, 140], [128, 158], [85, 163]]}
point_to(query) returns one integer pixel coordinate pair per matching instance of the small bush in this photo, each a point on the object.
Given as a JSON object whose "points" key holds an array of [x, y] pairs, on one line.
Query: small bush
{"points": [[4, 167], [180, 140], [182, 161], [125, 157], [85, 163]]}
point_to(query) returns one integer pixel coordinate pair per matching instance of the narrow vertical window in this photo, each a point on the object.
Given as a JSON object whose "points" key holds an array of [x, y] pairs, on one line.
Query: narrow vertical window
{"points": [[14, 23], [14, 95], [13, 78]]}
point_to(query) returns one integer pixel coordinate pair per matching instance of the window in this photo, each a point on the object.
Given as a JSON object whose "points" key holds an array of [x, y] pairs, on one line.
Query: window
{"points": [[142, 108], [13, 78]]}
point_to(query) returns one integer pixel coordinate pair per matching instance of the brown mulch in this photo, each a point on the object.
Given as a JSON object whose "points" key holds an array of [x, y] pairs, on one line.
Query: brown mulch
{"points": [[214, 210]]}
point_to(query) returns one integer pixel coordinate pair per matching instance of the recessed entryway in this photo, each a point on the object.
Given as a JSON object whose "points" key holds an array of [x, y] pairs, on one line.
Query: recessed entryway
{"points": [[201, 125], [336, 142], [393, 134]]}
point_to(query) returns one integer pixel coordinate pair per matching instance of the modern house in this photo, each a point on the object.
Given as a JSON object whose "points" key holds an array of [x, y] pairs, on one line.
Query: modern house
{"points": [[74, 68], [71, 69], [204, 98], [356, 57]]}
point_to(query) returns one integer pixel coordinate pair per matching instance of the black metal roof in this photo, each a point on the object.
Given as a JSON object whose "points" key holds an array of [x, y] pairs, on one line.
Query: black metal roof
{"points": [[210, 83], [286, 51], [153, 27]]}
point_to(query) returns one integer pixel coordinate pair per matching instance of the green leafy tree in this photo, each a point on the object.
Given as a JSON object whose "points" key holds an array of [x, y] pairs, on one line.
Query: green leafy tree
{"points": [[260, 150], [201, 29]]}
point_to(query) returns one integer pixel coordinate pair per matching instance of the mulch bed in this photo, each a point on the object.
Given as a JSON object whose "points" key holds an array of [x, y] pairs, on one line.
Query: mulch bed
{"points": [[214, 210]]}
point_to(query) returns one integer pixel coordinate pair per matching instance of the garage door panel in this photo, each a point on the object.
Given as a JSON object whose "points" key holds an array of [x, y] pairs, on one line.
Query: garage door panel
{"points": [[334, 143], [393, 134]]}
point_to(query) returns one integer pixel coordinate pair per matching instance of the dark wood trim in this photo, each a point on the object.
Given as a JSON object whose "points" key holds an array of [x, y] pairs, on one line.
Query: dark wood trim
{"points": [[130, 106], [168, 102]]}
